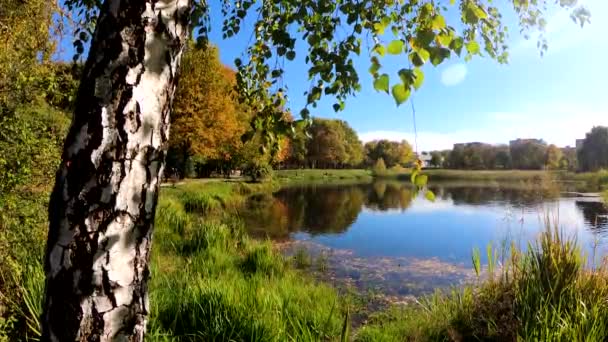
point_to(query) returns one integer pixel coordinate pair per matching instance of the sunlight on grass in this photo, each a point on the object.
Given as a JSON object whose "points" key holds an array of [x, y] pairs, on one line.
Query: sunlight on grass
{"points": [[211, 281], [228, 286], [323, 175]]}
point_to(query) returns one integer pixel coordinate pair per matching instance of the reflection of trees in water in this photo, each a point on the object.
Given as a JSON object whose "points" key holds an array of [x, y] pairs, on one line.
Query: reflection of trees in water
{"points": [[518, 196], [333, 209], [383, 196], [594, 214], [314, 210], [320, 209], [329, 210], [264, 215]]}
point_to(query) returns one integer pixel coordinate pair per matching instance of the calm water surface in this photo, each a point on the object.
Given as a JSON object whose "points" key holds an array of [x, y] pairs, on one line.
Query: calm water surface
{"points": [[379, 236]]}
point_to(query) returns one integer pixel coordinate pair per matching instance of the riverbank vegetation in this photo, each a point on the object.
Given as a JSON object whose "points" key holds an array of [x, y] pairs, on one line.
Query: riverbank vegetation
{"points": [[583, 181], [596, 181], [546, 293], [322, 175], [35, 99], [481, 175], [210, 280]]}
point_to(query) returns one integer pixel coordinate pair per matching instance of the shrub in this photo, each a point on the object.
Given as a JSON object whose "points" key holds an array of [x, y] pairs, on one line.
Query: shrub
{"points": [[379, 166], [259, 171]]}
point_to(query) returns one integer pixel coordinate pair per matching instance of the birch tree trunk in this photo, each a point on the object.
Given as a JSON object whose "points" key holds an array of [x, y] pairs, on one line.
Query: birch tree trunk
{"points": [[102, 207]]}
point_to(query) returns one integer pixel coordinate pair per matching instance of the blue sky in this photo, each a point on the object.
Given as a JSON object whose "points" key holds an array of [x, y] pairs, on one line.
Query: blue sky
{"points": [[558, 97]]}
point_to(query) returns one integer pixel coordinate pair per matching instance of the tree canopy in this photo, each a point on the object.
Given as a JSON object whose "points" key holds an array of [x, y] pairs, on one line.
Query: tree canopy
{"points": [[554, 157], [207, 120], [593, 155], [34, 92], [521, 154], [478, 156], [528, 154], [333, 143], [393, 153], [332, 33]]}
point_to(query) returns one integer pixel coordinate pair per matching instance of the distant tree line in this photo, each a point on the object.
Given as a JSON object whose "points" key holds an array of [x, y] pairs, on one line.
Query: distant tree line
{"points": [[527, 154], [208, 124], [331, 143], [325, 144], [593, 154]]}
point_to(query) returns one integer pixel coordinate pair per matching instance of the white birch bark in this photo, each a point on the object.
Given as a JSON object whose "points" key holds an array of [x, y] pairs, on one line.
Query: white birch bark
{"points": [[102, 207]]}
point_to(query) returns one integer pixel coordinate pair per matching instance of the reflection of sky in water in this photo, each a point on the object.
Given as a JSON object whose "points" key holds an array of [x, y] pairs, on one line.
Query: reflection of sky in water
{"points": [[450, 232], [376, 236]]}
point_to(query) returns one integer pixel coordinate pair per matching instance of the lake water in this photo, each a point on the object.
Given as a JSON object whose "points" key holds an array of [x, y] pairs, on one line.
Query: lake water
{"points": [[380, 237]]}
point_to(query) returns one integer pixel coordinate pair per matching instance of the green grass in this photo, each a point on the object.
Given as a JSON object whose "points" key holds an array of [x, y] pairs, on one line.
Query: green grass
{"points": [[212, 282], [543, 294], [323, 175], [594, 181], [202, 197], [302, 258], [494, 175], [583, 182], [483, 175], [215, 191], [25, 301]]}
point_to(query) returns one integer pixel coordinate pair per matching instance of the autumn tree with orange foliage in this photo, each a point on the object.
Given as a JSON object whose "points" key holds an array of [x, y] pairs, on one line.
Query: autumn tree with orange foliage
{"points": [[207, 120]]}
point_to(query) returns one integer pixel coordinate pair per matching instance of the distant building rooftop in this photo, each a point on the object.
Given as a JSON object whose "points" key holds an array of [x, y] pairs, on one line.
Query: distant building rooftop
{"points": [[526, 141], [471, 144]]}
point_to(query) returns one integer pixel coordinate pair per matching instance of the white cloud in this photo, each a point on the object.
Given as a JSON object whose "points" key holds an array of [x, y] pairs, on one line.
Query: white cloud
{"points": [[428, 140], [454, 74], [559, 124]]}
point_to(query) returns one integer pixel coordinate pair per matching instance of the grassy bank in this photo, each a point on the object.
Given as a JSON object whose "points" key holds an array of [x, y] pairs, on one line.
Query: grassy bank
{"points": [[322, 175], [595, 181], [588, 181], [544, 294], [211, 282], [477, 175], [585, 181], [285, 176]]}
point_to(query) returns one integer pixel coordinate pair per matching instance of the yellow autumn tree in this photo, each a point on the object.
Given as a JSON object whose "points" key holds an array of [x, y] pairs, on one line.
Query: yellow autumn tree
{"points": [[207, 121]]}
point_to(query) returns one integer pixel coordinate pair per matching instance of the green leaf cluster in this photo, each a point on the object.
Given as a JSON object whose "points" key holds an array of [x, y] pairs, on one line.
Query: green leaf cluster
{"points": [[34, 92]]}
